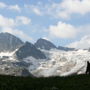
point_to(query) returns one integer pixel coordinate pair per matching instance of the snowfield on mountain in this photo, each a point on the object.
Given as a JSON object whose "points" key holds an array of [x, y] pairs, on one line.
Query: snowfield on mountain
{"points": [[60, 63], [41, 60]]}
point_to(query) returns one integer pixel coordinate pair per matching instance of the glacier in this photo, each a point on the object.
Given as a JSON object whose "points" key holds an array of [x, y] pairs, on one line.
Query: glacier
{"points": [[59, 63]]}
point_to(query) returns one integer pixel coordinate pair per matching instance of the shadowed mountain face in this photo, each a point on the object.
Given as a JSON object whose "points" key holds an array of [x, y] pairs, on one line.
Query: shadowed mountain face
{"points": [[65, 48], [27, 50], [47, 45], [9, 42], [44, 44]]}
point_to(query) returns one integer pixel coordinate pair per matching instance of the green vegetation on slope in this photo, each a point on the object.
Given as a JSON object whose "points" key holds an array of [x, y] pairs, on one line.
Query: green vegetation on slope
{"points": [[81, 82]]}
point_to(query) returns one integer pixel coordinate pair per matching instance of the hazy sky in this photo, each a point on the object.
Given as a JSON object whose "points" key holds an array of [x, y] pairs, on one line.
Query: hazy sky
{"points": [[64, 22]]}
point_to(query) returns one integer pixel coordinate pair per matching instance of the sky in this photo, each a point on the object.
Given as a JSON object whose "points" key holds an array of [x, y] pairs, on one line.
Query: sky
{"points": [[64, 22]]}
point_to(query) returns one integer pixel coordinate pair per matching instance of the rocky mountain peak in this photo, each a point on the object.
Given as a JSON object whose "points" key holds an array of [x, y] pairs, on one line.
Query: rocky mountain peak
{"points": [[9, 42], [29, 49], [44, 44]]}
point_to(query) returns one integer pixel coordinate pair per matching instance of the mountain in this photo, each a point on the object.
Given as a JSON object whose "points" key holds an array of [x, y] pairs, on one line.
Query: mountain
{"points": [[62, 63], [9, 66], [27, 58], [47, 45], [15, 71], [65, 48], [9, 42], [44, 44], [28, 50]]}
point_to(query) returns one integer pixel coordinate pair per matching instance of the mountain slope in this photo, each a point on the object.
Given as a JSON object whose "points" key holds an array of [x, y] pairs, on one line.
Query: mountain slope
{"points": [[27, 50], [9, 42], [62, 63], [15, 71], [44, 44], [46, 61], [65, 48]]}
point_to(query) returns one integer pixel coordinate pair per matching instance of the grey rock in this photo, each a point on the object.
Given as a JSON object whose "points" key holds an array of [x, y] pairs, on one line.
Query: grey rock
{"points": [[9, 42], [44, 44], [15, 71], [27, 50], [65, 48]]}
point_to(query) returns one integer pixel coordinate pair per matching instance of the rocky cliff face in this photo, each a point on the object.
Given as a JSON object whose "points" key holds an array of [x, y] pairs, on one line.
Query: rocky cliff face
{"points": [[28, 50], [65, 48], [44, 44], [9, 43]]}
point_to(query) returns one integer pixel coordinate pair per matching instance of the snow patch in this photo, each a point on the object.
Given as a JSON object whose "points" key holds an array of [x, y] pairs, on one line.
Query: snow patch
{"points": [[59, 63]]}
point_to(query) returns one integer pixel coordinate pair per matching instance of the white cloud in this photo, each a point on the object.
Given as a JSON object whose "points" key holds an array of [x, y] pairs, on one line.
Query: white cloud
{"points": [[62, 30], [9, 25], [14, 7], [74, 6], [84, 36], [6, 22], [2, 5], [63, 9], [10, 7], [34, 9], [37, 11], [81, 34], [23, 20], [18, 33], [84, 43], [9, 22]]}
